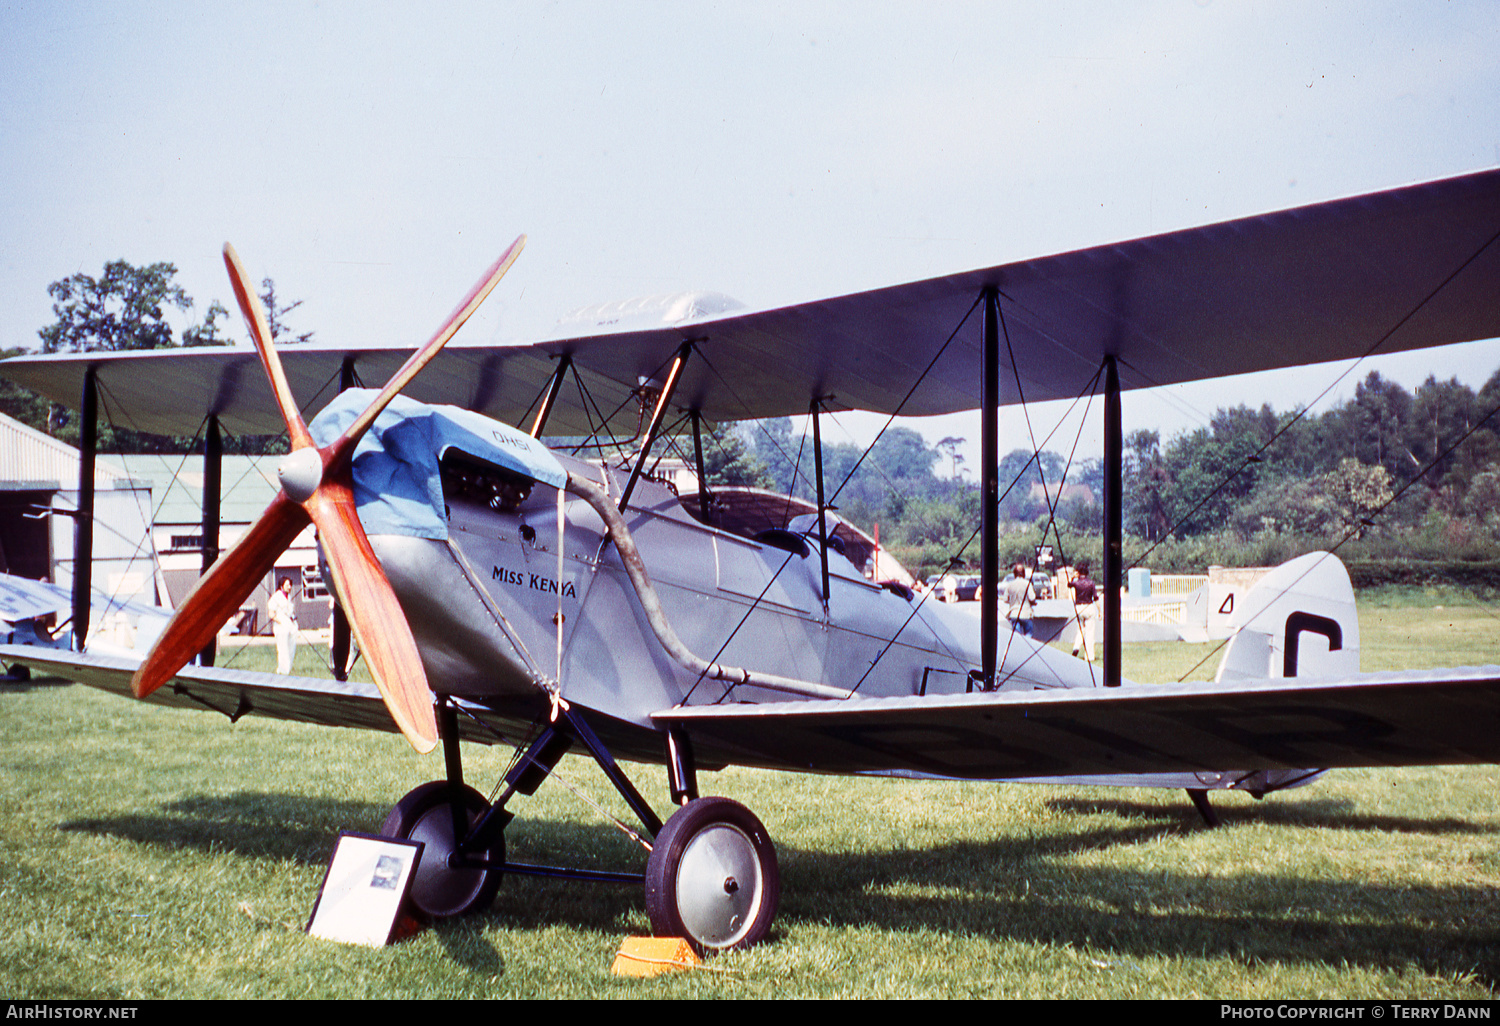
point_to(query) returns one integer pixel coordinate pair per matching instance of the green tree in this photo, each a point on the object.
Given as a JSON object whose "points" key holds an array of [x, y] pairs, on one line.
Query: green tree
{"points": [[949, 447], [276, 313], [1477, 454], [1309, 445], [1021, 473], [942, 523], [1202, 469], [1441, 414], [206, 333], [727, 461], [902, 454], [1378, 419], [780, 452], [1482, 499], [1295, 506], [1356, 491], [1144, 479], [122, 309], [1216, 468]]}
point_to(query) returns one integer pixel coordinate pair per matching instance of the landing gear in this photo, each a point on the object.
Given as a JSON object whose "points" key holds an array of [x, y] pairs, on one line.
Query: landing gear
{"points": [[1199, 796], [712, 876], [441, 889]]}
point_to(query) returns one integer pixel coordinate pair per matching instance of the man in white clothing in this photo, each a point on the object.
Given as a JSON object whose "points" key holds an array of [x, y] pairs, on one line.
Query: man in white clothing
{"points": [[283, 625]]}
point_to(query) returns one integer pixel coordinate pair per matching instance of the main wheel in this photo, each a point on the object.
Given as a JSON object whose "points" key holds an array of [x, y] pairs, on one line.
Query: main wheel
{"points": [[426, 815], [712, 877]]}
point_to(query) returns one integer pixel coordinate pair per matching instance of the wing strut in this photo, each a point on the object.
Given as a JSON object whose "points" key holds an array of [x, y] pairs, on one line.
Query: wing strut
{"points": [[550, 399], [656, 416], [213, 478], [339, 632], [704, 497], [83, 524], [989, 492], [1114, 458], [993, 324], [822, 503]]}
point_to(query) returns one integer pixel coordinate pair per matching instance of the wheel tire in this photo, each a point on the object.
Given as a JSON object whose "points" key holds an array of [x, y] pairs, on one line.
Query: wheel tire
{"points": [[713, 877], [438, 891]]}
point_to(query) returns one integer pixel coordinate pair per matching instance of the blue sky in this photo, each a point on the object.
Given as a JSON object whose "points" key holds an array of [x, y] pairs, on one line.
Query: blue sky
{"points": [[373, 158]]}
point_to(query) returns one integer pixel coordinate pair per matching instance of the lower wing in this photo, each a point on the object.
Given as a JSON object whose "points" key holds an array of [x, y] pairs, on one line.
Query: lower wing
{"points": [[1406, 719], [237, 693]]}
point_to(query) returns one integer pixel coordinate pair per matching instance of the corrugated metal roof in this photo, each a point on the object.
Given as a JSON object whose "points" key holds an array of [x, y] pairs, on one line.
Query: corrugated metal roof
{"points": [[249, 484], [28, 455]]}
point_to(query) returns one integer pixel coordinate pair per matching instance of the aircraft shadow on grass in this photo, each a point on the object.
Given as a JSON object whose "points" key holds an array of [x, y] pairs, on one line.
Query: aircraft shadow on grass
{"points": [[248, 823], [1324, 813], [1022, 890], [1007, 889], [36, 683]]}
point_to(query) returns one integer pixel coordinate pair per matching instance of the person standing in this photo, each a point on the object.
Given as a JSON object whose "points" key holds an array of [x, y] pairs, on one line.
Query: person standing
{"points": [[283, 616], [1085, 610], [1019, 599]]}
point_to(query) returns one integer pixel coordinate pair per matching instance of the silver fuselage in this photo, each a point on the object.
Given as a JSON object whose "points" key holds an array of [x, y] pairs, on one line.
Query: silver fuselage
{"points": [[485, 606]]}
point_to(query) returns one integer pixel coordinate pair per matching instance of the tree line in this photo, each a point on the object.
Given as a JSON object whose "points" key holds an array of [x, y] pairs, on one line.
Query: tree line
{"points": [[1259, 471]]}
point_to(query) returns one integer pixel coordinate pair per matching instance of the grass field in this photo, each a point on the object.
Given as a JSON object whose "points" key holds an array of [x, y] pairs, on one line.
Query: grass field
{"points": [[160, 854]]}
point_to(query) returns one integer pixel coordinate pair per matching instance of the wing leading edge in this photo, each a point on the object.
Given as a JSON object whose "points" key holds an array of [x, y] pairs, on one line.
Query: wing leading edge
{"points": [[1401, 269], [237, 693], [1434, 718]]}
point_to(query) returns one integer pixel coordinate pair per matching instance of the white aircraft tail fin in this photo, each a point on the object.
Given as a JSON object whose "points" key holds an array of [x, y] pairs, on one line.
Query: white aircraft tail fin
{"points": [[1298, 621]]}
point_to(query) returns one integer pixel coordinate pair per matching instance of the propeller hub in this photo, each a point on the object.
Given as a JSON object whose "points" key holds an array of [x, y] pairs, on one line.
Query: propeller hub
{"points": [[301, 473]]}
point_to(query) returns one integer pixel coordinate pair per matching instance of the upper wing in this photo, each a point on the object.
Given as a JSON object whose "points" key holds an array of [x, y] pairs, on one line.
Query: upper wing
{"points": [[1437, 717], [1401, 269]]}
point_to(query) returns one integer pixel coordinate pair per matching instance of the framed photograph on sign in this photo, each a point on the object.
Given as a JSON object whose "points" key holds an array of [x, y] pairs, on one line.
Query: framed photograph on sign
{"points": [[362, 893]]}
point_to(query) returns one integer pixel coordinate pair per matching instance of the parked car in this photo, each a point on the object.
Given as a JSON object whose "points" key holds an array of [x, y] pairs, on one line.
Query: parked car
{"points": [[967, 585]]}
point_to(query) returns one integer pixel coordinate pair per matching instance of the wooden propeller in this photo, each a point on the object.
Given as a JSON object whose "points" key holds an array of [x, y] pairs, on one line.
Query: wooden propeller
{"points": [[317, 487]]}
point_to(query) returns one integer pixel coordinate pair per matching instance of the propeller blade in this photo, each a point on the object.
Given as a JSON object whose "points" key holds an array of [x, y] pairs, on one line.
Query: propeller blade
{"points": [[423, 356], [375, 616], [219, 593], [260, 334], [321, 492]]}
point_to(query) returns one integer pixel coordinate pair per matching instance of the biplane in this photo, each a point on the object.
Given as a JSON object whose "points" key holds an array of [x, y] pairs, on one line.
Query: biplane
{"points": [[502, 591]]}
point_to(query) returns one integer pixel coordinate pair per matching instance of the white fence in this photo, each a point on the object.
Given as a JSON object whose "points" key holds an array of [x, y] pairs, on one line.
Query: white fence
{"points": [[1174, 613], [1176, 584]]}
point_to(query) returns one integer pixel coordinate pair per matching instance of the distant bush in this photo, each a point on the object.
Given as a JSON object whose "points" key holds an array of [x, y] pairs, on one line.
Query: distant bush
{"points": [[1481, 578]]}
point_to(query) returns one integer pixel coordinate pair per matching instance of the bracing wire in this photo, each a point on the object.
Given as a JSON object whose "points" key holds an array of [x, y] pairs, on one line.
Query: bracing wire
{"points": [[1255, 457]]}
